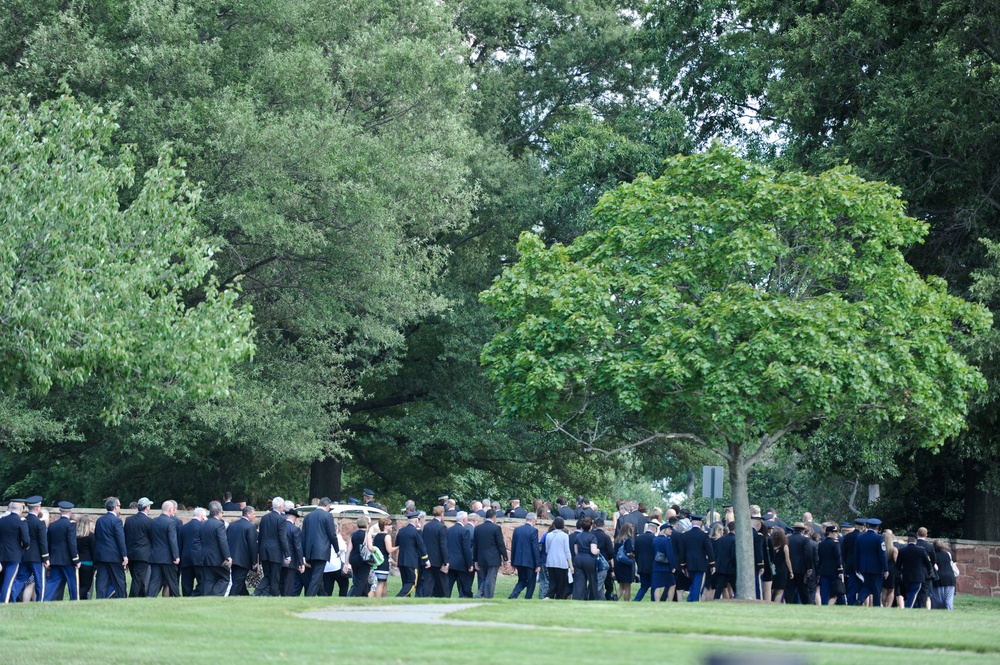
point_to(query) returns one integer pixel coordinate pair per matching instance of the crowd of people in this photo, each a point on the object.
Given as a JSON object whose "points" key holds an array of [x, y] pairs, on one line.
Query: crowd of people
{"points": [[584, 554]]}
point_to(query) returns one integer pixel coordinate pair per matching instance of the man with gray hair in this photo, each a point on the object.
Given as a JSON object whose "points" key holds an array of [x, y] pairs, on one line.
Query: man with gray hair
{"points": [[524, 555], [272, 547], [189, 539], [461, 564], [165, 553]]}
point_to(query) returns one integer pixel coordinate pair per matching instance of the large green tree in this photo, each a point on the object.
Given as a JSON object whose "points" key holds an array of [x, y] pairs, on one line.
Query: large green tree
{"points": [[89, 287], [745, 301]]}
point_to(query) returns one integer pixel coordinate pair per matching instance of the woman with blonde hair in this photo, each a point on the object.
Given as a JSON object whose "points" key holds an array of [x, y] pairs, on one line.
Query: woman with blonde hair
{"points": [[891, 583], [85, 548]]}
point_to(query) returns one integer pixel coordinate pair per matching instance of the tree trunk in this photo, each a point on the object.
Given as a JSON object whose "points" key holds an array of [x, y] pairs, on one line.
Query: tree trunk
{"points": [[981, 508], [325, 479], [746, 568]]}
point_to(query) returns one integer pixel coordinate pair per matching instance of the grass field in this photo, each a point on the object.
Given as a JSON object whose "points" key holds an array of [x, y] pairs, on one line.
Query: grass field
{"points": [[269, 630]]}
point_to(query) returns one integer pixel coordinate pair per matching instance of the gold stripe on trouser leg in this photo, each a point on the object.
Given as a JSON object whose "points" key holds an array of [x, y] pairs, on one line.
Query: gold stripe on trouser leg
{"points": [[416, 581], [77, 572], [41, 597], [10, 587]]}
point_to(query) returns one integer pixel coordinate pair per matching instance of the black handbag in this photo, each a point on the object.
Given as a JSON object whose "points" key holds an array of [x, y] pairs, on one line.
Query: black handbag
{"points": [[838, 587], [661, 557]]}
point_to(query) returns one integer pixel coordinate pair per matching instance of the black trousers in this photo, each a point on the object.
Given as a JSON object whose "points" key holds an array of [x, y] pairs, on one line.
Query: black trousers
{"points": [[722, 580], [315, 586], [526, 577], [338, 579], [110, 579], [214, 580], [463, 578], [800, 589], [437, 582], [239, 577], [140, 572], [290, 583], [558, 581], [270, 585], [162, 575], [190, 575], [408, 576], [584, 577]]}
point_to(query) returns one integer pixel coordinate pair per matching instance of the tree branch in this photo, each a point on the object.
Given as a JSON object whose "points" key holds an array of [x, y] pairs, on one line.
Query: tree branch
{"points": [[767, 441]]}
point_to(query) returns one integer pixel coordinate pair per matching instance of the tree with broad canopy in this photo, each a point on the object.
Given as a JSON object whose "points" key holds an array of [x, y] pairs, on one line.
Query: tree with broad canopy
{"points": [[727, 305]]}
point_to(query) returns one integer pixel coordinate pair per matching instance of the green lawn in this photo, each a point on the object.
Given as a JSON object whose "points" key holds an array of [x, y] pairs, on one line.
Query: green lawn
{"points": [[265, 630]]}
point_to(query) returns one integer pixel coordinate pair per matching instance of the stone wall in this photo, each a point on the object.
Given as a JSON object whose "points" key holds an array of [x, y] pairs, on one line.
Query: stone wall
{"points": [[978, 567]]}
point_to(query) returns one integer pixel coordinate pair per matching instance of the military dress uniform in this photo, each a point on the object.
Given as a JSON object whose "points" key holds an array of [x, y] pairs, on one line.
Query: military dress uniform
{"points": [[64, 558], [871, 562], [697, 556], [14, 540], [35, 558]]}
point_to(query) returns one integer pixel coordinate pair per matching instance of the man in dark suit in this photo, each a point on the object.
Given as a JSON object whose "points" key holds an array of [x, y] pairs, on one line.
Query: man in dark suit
{"points": [[564, 511], [138, 547], [831, 566], [586, 510], [847, 544], [272, 547], [489, 553], [319, 534], [35, 559], [525, 557], [368, 496], [242, 537], [435, 582], [607, 549], [14, 540], [915, 566], [644, 555], [697, 557], [228, 503], [64, 559], [110, 554], [461, 564], [164, 552], [192, 561], [871, 563], [516, 511], [411, 556], [725, 561], [759, 554], [801, 555], [291, 583], [215, 554], [635, 518], [927, 588]]}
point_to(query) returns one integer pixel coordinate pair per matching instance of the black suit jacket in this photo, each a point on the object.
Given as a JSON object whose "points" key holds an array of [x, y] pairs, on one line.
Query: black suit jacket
{"points": [[697, 553], [913, 563], [847, 551], [109, 539], [831, 562], [524, 547], [231, 506], [242, 536], [488, 548], [163, 539], [38, 549], [62, 543], [412, 552], [460, 547], [725, 554], [189, 539], [436, 542], [568, 514], [319, 533], [294, 535], [214, 542], [801, 554], [272, 544], [644, 553], [137, 541]]}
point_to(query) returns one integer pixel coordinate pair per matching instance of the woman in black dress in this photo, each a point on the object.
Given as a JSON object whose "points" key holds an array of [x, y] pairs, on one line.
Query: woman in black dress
{"points": [[85, 548], [585, 562], [625, 573], [360, 568], [782, 565], [383, 541]]}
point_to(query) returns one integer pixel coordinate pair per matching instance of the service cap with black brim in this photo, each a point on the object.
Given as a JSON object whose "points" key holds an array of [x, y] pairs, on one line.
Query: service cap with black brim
{"points": [[33, 501], [66, 506]]}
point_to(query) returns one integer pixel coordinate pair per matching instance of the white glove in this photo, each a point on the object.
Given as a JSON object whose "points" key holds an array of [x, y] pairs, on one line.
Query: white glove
{"points": [[860, 576]]}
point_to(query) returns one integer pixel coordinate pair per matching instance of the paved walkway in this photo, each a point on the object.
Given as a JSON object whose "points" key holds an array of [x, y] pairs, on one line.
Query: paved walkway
{"points": [[397, 614]]}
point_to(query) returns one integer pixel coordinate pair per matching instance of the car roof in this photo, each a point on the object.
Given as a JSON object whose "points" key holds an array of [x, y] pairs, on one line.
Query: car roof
{"points": [[347, 510]]}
